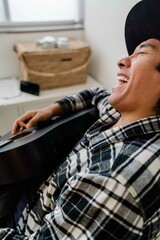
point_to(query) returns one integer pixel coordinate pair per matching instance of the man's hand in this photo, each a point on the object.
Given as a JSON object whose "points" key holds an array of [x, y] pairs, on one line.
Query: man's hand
{"points": [[31, 118]]}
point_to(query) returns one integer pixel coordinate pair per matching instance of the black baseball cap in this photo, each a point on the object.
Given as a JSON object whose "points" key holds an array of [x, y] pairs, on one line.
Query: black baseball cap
{"points": [[142, 23]]}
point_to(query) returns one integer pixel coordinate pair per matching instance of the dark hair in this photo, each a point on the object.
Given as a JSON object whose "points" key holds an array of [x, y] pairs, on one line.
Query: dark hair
{"points": [[158, 67]]}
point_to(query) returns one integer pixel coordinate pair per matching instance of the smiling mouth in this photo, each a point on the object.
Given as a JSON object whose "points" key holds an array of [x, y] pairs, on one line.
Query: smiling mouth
{"points": [[122, 79]]}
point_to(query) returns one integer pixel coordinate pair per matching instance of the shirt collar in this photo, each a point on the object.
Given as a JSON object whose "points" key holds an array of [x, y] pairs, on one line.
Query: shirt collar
{"points": [[112, 135]]}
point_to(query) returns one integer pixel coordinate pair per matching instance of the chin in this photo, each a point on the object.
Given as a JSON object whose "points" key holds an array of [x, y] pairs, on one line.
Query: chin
{"points": [[112, 99], [114, 102]]}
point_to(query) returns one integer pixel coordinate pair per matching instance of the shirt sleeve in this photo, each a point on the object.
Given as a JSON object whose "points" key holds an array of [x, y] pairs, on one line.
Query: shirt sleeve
{"points": [[84, 99], [90, 206]]}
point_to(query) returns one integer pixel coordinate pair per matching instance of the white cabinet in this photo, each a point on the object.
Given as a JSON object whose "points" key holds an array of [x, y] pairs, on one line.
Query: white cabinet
{"points": [[12, 108]]}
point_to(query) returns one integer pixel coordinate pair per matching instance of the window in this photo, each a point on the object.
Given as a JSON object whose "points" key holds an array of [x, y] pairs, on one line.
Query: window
{"points": [[18, 13]]}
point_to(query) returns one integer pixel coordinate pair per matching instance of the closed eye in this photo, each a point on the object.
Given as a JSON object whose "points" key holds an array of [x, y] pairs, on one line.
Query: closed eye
{"points": [[140, 53]]}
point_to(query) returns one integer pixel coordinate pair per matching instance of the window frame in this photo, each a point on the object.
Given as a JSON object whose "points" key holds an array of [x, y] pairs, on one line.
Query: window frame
{"points": [[9, 26]]}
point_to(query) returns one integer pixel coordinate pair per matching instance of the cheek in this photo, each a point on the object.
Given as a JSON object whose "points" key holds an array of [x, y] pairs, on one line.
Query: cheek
{"points": [[146, 86], [142, 75]]}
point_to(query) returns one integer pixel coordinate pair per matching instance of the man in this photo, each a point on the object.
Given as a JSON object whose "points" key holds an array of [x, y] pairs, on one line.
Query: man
{"points": [[109, 185]]}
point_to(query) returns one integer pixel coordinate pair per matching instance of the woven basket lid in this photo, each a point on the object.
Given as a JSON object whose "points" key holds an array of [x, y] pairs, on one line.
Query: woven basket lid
{"points": [[31, 47]]}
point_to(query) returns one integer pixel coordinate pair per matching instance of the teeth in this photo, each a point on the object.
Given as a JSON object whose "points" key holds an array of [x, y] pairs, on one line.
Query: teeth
{"points": [[123, 78]]}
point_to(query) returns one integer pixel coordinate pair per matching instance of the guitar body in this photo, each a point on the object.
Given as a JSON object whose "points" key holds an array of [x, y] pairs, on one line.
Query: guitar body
{"points": [[41, 148]]}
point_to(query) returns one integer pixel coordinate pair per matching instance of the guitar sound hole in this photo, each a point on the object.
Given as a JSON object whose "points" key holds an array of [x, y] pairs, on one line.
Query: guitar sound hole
{"points": [[22, 134]]}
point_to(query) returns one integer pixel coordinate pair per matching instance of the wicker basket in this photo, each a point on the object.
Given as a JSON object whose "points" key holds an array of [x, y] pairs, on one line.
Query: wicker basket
{"points": [[54, 67]]}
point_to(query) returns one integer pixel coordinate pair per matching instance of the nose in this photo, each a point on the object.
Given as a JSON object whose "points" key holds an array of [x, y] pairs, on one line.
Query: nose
{"points": [[124, 62]]}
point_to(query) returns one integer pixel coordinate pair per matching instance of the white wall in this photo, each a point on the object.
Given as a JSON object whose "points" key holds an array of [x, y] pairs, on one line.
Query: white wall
{"points": [[9, 65], [104, 30]]}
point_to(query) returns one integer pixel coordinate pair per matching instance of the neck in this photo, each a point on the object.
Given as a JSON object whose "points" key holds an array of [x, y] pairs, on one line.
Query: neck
{"points": [[127, 118]]}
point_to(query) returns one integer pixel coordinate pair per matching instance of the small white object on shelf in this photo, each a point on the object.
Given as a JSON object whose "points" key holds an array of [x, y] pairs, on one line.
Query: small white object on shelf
{"points": [[62, 42], [9, 88], [46, 42]]}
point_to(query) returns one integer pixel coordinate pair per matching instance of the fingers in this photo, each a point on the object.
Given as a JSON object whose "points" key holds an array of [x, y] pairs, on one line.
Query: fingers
{"points": [[23, 122], [31, 118], [33, 121], [18, 126]]}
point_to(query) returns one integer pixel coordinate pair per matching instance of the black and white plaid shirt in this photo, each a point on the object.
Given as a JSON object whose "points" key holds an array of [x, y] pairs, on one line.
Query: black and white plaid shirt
{"points": [[108, 187]]}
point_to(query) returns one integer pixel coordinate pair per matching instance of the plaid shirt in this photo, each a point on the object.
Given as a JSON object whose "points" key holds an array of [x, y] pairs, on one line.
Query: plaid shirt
{"points": [[107, 188]]}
